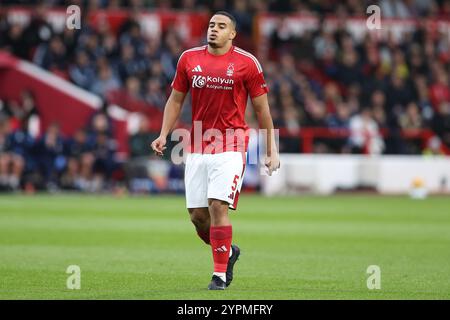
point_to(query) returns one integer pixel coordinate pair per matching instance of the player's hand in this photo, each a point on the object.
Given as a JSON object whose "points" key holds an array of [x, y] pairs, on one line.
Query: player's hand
{"points": [[272, 163], [159, 145]]}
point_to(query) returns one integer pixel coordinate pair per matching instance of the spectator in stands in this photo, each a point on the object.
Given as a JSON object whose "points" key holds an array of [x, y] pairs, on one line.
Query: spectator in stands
{"points": [[440, 89], [423, 100], [434, 147], [13, 150], [80, 160], [365, 136], [137, 167], [399, 94], [19, 145], [290, 121], [105, 82], [23, 114], [348, 69], [243, 16], [139, 141], [411, 118], [82, 72], [325, 45], [441, 123], [110, 47], [378, 105], [152, 53], [52, 56], [99, 124], [13, 40], [104, 161], [90, 43], [340, 119], [130, 97], [38, 30], [70, 39], [332, 97], [394, 9], [133, 88], [154, 94], [169, 57], [31, 120], [133, 38], [48, 154], [158, 72], [316, 111], [129, 64]]}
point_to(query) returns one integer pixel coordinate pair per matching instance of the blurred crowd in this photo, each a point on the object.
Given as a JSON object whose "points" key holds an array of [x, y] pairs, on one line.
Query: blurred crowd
{"points": [[327, 80], [322, 79], [49, 160], [390, 8]]}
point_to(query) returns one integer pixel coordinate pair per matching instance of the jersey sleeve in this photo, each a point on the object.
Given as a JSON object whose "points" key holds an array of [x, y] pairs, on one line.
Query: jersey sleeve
{"points": [[180, 80], [255, 83]]}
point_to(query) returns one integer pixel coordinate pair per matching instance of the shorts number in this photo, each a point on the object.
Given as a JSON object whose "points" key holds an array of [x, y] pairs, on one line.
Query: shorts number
{"points": [[235, 182]]}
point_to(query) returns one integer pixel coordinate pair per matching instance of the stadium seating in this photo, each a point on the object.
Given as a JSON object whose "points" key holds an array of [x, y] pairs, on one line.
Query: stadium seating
{"points": [[335, 86]]}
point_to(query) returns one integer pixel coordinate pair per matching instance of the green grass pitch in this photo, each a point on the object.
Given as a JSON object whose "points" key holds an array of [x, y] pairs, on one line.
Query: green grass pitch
{"points": [[292, 248]]}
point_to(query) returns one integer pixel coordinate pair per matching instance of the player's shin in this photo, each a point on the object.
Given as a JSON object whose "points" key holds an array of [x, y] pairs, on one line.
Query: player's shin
{"points": [[220, 238]]}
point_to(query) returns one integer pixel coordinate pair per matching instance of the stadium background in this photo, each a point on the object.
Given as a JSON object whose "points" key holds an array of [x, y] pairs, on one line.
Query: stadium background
{"points": [[79, 108]]}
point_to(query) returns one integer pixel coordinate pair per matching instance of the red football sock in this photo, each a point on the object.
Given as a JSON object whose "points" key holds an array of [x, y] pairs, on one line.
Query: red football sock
{"points": [[220, 238], [204, 236]]}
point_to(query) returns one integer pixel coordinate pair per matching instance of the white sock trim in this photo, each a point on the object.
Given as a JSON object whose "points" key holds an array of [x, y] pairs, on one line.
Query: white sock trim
{"points": [[221, 275]]}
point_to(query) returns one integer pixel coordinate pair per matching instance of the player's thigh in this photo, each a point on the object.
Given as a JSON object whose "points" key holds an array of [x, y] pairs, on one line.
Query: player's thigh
{"points": [[225, 172], [196, 181]]}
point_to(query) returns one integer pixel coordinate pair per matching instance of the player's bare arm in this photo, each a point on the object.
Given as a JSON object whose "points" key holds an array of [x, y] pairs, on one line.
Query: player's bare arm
{"points": [[262, 110], [171, 113]]}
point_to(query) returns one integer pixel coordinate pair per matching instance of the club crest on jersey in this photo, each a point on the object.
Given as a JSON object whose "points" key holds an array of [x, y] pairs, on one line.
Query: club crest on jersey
{"points": [[230, 69], [198, 81]]}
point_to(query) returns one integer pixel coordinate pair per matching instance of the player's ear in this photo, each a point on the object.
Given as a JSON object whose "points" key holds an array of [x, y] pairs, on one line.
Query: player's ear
{"points": [[233, 34]]}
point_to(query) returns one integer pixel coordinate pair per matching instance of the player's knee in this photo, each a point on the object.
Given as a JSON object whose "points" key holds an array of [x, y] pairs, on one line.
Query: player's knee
{"points": [[218, 208], [198, 217]]}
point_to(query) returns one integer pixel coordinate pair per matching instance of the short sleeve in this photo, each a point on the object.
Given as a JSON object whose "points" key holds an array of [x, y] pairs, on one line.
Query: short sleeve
{"points": [[256, 84], [180, 80]]}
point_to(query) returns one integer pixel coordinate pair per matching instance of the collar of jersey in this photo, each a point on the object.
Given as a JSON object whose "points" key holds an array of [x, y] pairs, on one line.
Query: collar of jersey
{"points": [[220, 55]]}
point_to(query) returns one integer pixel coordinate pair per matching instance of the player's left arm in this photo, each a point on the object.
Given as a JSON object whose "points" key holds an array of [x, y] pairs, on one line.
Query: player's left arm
{"points": [[262, 110]]}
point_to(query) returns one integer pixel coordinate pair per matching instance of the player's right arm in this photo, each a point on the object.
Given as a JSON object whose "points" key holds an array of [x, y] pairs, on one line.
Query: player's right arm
{"points": [[172, 111], [180, 87]]}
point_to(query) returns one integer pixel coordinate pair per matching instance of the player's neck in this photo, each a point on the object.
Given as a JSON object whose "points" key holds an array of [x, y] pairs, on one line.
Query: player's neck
{"points": [[220, 51]]}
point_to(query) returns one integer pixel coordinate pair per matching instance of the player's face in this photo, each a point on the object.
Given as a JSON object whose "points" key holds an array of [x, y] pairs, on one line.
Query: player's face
{"points": [[220, 31]]}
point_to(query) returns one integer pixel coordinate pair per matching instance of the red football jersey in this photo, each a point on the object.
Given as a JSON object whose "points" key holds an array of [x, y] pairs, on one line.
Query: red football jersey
{"points": [[220, 86]]}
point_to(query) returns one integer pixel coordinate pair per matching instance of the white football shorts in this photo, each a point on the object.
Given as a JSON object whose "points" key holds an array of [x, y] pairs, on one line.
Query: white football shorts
{"points": [[213, 176]]}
